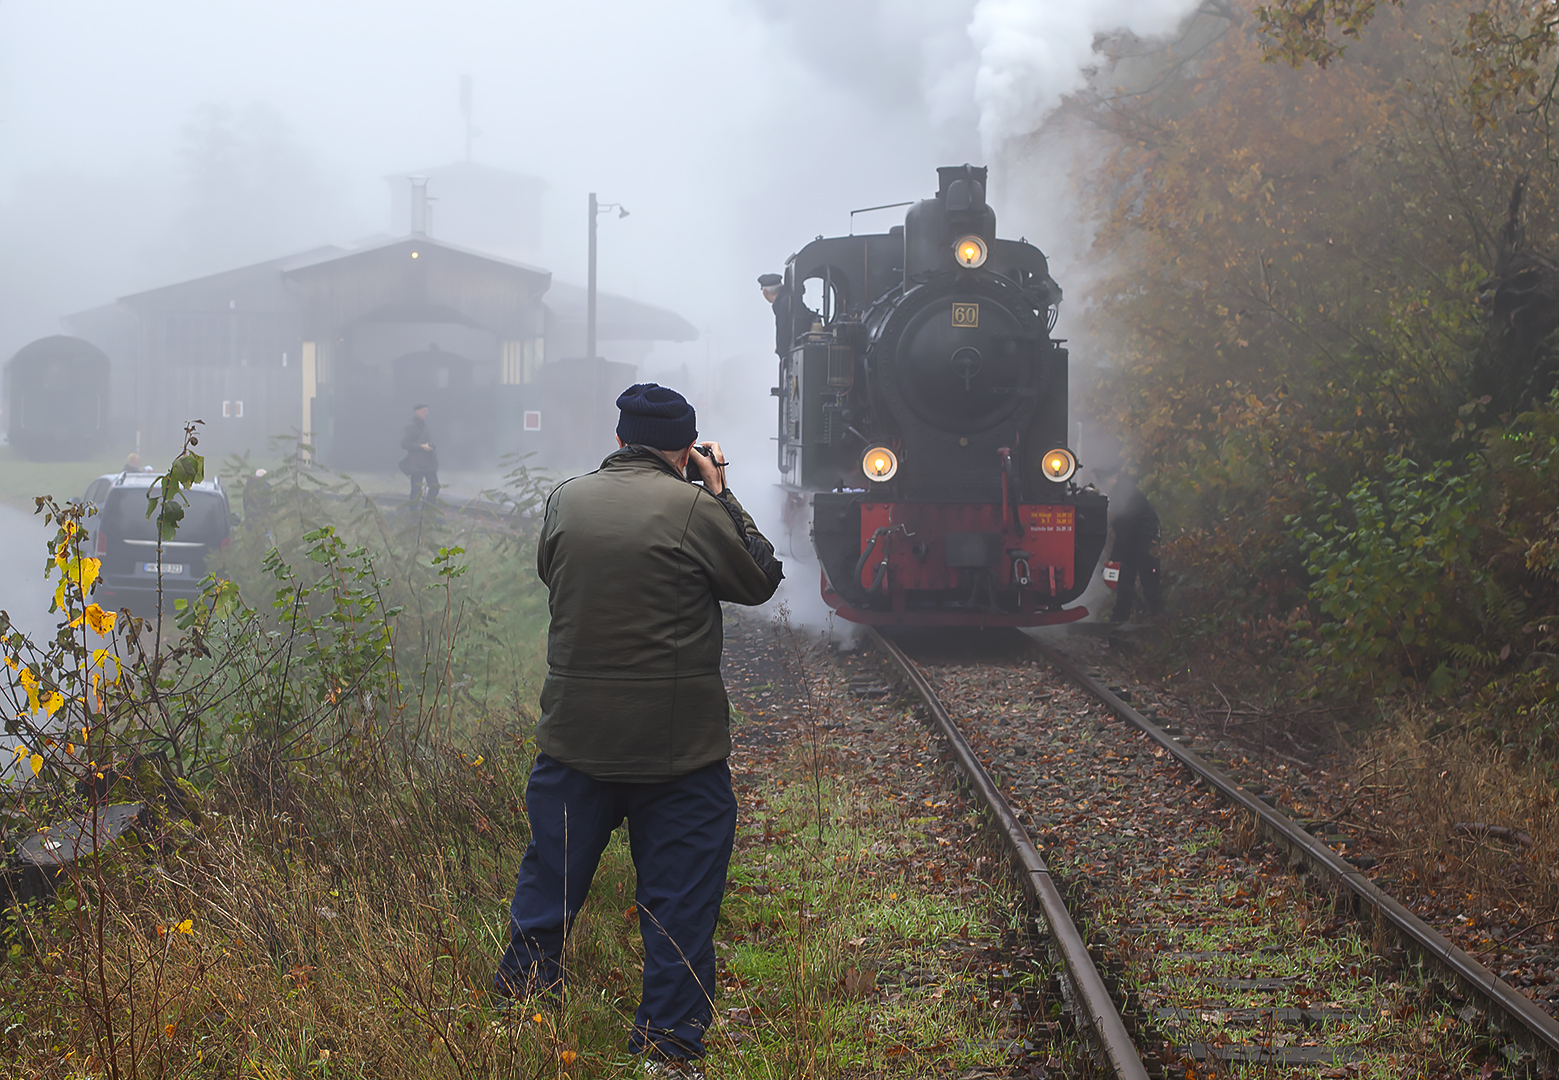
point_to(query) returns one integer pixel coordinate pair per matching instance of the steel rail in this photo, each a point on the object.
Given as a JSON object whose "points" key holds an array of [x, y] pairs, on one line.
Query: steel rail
{"points": [[1091, 996], [1530, 1027]]}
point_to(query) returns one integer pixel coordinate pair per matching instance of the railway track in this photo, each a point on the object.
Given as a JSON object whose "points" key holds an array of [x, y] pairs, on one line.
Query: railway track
{"points": [[1206, 931]]}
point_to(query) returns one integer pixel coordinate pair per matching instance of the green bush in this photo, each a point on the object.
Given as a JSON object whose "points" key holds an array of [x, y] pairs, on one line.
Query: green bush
{"points": [[1398, 578]]}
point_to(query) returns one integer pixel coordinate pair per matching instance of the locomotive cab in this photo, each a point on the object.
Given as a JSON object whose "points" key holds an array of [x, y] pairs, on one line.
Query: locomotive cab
{"points": [[924, 406]]}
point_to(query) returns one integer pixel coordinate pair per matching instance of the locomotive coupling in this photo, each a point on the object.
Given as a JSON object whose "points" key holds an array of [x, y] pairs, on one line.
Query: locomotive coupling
{"points": [[1020, 568]]}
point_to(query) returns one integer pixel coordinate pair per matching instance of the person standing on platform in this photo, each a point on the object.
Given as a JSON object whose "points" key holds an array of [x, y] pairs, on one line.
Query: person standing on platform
{"points": [[421, 461], [634, 716]]}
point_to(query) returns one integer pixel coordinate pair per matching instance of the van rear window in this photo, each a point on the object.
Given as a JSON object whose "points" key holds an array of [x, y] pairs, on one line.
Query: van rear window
{"points": [[205, 518]]}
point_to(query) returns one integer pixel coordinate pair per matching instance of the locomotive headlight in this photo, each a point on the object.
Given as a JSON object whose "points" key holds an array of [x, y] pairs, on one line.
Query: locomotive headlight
{"points": [[1059, 465], [970, 252], [879, 464]]}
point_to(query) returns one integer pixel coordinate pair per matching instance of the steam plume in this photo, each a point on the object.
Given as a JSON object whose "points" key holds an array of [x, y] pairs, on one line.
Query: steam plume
{"points": [[1033, 53], [1003, 64]]}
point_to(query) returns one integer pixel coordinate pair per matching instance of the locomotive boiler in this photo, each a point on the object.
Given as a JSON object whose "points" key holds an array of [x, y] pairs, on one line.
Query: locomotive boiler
{"points": [[923, 406]]}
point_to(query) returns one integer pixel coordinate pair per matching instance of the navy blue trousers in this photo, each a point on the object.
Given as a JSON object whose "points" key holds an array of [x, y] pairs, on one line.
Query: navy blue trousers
{"points": [[680, 834]]}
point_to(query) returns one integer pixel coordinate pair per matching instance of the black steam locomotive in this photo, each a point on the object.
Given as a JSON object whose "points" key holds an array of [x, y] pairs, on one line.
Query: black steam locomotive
{"points": [[924, 403]]}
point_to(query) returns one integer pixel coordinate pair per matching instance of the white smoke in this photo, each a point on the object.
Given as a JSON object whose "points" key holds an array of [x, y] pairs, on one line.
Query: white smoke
{"points": [[1032, 53], [997, 66]]}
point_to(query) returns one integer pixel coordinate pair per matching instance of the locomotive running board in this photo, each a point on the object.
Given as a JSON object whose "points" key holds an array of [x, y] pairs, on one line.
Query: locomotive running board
{"points": [[1038, 617]]}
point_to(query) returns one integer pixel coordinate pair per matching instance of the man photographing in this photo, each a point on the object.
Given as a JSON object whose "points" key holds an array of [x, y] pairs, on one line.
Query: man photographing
{"points": [[634, 715]]}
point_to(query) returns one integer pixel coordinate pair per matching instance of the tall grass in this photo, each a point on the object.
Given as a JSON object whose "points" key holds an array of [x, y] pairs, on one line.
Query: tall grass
{"points": [[327, 747], [1436, 780]]}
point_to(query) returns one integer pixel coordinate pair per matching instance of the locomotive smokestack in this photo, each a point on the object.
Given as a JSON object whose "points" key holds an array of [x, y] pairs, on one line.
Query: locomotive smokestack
{"points": [[962, 195], [933, 225]]}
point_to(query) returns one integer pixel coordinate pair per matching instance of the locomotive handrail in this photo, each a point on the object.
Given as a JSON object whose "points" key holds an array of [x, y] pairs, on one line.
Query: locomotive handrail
{"points": [[1533, 1028], [1092, 997]]}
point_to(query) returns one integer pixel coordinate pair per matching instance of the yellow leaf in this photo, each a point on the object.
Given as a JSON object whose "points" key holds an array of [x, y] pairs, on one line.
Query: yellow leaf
{"points": [[36, 761], [78, 572], [169, 1029], [101, 622], [101, 658], [29, 683], [52, 702], [186, 927]]}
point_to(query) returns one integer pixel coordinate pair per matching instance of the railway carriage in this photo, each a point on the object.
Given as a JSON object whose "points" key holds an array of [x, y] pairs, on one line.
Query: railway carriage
{"points": [[58, 399], [923, 408]]}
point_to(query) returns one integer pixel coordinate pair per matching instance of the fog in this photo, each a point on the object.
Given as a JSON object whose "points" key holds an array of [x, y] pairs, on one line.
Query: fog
{"points": [[145, 144]]}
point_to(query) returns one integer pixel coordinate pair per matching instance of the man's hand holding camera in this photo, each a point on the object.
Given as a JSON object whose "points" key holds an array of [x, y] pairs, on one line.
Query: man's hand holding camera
{"points": [[709, 460]]}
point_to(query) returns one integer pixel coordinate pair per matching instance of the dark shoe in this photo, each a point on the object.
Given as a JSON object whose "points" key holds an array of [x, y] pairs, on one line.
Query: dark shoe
{"points": [[511, 1016], [532, 998]]}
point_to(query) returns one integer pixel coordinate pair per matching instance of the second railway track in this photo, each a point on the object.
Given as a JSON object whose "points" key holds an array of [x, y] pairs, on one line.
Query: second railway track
{"points": [[1208, 933]]}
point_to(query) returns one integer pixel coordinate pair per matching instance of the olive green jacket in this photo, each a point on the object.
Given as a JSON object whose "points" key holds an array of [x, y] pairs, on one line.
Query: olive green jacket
{"points": [[636, 561]]}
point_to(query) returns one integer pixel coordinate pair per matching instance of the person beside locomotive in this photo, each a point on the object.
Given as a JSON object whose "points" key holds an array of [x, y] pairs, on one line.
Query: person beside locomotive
{"points": [[1132, 541], [634, 715], [421, 460]]}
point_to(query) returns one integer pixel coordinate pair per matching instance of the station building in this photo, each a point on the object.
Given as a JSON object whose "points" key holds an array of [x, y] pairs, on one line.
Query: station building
{"points": [[336, 345]]}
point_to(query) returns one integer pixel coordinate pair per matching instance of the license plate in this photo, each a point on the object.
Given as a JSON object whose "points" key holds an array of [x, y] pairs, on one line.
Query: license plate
{"points": [[167, 567]]}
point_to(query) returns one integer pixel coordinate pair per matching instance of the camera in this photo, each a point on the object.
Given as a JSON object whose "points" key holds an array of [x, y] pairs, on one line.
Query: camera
{"points": [[693, 475]]}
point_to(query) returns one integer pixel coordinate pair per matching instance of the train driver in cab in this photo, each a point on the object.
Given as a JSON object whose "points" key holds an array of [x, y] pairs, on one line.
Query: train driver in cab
{"points": [[785, 311], [779, 300]]}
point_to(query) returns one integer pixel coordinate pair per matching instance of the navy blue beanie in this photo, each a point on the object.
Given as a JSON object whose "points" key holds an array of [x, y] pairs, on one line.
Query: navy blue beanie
{"points": [[657, 416]]}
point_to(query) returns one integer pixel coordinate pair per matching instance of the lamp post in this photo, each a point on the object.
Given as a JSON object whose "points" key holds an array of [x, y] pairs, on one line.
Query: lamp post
{"points": [[596, 209]]}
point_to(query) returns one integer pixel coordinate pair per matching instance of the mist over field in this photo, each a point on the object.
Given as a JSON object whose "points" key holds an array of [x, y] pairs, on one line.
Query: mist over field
{"points": [[149, 145]]}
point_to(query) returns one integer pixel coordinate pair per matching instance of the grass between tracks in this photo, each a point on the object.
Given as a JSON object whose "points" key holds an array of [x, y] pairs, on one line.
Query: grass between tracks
{"points": [[1271, 928]]}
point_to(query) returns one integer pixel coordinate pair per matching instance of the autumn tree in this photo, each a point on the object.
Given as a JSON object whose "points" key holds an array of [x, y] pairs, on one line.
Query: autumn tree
{"points": [[1297, 204]]}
